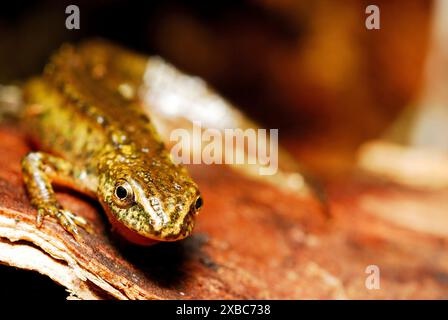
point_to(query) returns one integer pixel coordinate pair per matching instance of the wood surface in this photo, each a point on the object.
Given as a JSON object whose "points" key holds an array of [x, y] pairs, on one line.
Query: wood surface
{"points": [[251, 241]]}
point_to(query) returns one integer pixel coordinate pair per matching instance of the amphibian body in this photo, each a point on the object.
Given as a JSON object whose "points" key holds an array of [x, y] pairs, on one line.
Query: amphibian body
{"points": [[94, 136]]}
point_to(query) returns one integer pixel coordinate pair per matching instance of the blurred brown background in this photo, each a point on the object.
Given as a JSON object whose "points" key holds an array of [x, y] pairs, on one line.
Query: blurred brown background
{"points": [[310, 68]]}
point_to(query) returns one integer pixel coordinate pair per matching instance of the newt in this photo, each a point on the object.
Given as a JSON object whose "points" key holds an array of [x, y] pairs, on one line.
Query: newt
{"points": [[94, 137], [101, 116]]}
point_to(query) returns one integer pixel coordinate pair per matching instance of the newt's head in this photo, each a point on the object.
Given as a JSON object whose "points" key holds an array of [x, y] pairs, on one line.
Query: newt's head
{"points": [[148, 200]]}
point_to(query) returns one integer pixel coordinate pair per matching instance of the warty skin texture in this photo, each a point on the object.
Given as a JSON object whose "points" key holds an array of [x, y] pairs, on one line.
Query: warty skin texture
{"points": [[94, 137]]}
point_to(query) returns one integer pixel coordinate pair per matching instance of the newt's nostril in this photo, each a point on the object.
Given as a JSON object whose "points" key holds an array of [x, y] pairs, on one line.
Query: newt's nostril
{"points": [[199, 203]]}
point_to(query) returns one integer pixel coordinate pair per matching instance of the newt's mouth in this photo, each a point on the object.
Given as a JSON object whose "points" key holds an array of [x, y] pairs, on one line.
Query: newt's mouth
{"points": [[128, 234], [179, 232], [135, 237], [187, 226]]}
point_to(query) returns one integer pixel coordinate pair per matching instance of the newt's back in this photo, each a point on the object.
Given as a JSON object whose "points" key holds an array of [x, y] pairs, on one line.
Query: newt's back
{"points": [[85, 109]]}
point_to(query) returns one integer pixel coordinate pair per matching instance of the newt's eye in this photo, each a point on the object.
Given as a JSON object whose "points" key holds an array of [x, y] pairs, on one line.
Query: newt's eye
{"points": [[198, 204], [123, 195]]}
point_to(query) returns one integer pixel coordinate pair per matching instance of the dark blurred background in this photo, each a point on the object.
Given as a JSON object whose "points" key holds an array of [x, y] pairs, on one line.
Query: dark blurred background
{"points": [[309, 68]]}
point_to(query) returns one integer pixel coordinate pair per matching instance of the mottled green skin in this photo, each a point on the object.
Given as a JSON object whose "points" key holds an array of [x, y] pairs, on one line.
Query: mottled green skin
{"points": [[78, 111]]}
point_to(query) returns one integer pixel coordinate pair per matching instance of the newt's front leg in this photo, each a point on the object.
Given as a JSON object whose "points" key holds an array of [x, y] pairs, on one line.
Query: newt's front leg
{"points": [[40, 170]]}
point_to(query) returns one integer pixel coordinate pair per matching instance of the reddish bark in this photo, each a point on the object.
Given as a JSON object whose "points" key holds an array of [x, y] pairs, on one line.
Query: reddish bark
{"points": [[251, 241]]}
